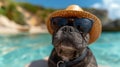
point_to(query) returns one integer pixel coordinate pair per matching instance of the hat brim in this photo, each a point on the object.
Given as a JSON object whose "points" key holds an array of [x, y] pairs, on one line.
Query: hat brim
{"points": [[95, 31]]}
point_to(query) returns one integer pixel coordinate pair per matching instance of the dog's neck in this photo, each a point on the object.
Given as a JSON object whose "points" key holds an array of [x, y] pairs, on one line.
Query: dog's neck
{"points": [[75, 61]]}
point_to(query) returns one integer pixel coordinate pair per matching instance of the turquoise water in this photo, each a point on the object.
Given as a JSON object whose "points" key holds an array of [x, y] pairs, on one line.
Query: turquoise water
{"points": [[19, 50], [107, 49]]}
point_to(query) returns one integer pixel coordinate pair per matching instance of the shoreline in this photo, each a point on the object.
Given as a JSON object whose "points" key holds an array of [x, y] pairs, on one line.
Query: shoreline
{"points": [[9, 27]]}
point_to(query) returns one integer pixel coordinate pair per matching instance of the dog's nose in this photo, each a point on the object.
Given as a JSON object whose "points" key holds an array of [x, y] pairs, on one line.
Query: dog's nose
{"points": [[67, 29]]}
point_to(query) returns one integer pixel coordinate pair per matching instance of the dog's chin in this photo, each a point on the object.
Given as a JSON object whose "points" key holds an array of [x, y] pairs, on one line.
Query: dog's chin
{"points": [[66, 52]]}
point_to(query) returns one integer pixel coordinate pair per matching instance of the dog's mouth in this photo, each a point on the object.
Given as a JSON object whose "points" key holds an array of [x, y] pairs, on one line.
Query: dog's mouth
{"points": [[66, 53]]}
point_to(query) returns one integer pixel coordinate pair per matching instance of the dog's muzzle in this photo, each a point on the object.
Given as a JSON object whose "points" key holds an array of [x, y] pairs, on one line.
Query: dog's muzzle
{"points": [[66, 52]]}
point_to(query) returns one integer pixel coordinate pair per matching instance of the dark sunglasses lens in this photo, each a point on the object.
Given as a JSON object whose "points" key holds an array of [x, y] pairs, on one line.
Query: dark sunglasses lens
{"points": [[59, 21], [84, 24]]}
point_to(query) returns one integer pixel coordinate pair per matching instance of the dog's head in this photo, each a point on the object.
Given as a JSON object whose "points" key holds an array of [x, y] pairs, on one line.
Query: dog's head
{"points": [[70, 36]]}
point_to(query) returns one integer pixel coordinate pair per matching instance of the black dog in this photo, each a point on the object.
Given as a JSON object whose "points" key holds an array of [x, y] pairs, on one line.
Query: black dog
{"points": [[71, 48]]}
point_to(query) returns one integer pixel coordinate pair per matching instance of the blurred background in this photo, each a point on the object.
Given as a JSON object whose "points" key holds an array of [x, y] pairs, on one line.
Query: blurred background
{"points": [[24, 37]]}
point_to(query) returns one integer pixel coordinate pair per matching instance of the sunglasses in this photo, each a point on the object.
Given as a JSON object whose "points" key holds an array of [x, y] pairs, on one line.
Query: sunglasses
{"points": [[84, 25]]}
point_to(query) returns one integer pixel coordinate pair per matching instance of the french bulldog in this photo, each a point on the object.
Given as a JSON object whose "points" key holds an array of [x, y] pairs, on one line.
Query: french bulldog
{"points": [[71, 47]]}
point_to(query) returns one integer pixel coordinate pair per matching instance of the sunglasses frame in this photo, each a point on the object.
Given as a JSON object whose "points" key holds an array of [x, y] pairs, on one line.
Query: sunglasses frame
{"points": [[68, 18]]}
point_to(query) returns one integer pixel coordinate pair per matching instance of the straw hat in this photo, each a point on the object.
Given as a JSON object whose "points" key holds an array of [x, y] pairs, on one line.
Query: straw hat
{"points": [[76, 11]]}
